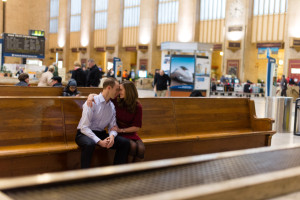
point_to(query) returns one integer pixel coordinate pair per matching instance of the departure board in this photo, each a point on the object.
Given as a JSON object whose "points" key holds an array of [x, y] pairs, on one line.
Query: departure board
{"points": [[23, 45]]}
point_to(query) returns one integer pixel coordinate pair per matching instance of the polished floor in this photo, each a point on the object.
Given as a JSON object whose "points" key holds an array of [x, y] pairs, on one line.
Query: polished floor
{"points": [[279, 139]]}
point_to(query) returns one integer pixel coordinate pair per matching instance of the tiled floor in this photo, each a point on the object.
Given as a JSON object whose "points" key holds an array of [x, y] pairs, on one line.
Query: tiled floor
{"points": [[278, 139]]}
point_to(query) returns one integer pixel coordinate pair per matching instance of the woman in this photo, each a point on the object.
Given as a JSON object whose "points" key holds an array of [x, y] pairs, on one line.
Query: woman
{"points": [[71, 89], [129, 118], [24, 80]]}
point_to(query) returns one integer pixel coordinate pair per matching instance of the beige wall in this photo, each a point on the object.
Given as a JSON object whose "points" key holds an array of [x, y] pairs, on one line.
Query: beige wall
{"points": [[34, 14]]}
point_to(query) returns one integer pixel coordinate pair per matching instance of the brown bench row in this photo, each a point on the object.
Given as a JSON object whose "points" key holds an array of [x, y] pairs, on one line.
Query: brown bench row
{"points": [[43, 91], [37, 133]]}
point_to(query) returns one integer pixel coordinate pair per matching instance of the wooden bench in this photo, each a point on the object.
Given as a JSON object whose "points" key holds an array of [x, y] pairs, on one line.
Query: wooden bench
{"points": [[42, 91], [37, 133]]}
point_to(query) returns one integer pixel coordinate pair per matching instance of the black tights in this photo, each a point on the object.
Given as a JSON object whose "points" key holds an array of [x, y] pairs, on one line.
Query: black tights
{"points": [[137, 151]]}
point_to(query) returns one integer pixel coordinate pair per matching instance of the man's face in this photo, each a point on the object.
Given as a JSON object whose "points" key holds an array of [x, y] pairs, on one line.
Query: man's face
{"points": [[115, 90], [161, 72], [90, 64], [53, 82]]}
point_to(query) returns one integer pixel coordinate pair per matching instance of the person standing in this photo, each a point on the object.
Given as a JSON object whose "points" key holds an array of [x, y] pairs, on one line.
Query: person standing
{"points": [[45, 79], [79, 75], [93, 78], [161, 83], [91, 127], [283, 85]]}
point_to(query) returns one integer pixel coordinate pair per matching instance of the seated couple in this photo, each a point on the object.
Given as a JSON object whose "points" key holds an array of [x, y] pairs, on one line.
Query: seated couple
{"points": [[118, 109]]}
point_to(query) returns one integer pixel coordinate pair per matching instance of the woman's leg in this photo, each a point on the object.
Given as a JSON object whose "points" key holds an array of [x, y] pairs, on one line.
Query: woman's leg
{"points": [[132, 151], [140, 151]]}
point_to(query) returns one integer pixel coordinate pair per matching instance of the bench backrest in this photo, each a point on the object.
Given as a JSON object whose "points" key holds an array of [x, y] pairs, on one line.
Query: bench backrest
{"points": [[43, 91], [27, 120]]}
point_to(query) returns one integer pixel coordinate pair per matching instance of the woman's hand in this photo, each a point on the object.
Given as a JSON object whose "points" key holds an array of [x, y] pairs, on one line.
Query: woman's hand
{"points": [[115, 128], [90, 100]]}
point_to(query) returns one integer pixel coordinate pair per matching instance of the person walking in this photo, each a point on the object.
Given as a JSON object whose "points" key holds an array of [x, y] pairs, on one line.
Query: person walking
{"points": [[161, 83], [283, 85]]}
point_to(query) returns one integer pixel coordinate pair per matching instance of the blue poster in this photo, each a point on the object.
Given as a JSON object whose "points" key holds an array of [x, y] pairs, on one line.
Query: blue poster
{"points": [[182, 72]]}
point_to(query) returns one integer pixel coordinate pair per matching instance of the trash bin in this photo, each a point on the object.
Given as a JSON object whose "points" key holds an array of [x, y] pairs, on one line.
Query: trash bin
{"points": [[297, 118], [280, 109]]}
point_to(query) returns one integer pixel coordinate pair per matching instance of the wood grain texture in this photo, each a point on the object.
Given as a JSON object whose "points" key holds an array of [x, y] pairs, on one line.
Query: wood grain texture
{"points": [[37, 133], [10, 90]]}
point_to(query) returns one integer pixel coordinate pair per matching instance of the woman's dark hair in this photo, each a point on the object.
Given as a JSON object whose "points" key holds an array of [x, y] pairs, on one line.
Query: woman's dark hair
{"points": [[23, 76], [131, 97]]}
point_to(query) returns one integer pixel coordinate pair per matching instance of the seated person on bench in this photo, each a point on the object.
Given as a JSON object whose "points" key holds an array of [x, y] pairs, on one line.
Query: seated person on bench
{"points": [[91, 128], [129, 119]]}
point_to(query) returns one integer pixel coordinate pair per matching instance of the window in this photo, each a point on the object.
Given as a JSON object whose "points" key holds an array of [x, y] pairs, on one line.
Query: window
{"points": [[54, 12], [75, 15], [269, 7], [168, 11], [101, 14], [212, 9], [131, 13]]}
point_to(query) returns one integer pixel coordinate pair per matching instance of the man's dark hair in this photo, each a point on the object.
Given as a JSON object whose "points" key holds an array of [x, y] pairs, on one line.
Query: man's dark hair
{"points": [[109, 82], [23, 76]]}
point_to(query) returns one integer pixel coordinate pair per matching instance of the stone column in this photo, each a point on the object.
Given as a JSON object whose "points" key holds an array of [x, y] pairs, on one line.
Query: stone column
{"points": [[64, 31], [114, 28], [236, 16], [292, 30], [186, 20], [87, 28], [147, 34]]}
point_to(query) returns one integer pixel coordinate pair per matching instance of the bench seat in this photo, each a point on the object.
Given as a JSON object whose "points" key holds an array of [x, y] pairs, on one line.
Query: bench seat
{"points": [[38, 133]]}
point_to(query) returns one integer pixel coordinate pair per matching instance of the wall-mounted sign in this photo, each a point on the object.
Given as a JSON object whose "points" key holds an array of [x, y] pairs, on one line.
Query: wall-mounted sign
{"points": [[235, 28], [37, 33], [23, 46]]}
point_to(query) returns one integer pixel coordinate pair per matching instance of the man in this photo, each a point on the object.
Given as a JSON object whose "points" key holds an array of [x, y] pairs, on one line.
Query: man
{"points": [[90, 130], [79, 75], [161, 83], [283, 85], [56, 81], [93, 78]]}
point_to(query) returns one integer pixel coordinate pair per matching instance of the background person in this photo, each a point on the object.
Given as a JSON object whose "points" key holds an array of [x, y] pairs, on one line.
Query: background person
{"points": [[79, 75], [129, 118], [56, 81], [71, 89], [161, 83], [45, 79], [91, 128], [283, 85], [93, 78], [24, 80]]}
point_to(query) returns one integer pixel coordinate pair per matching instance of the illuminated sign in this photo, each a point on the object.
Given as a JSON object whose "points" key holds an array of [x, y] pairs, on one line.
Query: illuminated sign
{"points": [[37, 33], [23, 46]]}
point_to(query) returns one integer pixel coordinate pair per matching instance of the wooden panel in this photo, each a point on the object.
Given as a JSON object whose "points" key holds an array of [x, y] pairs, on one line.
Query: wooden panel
{"points": [[211, 31], [53, 43], [99, 38], [276, 28], [130, 36], [254, 29], [75, 40], [158, 118], [281, 27], [166, 33], [28, 119], [259, 28], [210, 115], [264, 27]]}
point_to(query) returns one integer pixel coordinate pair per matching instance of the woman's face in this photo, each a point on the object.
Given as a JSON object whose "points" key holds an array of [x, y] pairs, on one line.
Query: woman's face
{"points": [[72, 88], [122, 91], [27, 80]]}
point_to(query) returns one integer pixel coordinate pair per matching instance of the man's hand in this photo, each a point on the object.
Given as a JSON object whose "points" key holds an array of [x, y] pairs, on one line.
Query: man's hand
{"points": [[90, 100], [111, 140], [115, 128], [103, 143]]}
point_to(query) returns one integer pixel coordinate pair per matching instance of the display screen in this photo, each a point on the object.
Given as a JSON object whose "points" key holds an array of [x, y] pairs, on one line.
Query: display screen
{"points": [[142, 74], [25, 45]]}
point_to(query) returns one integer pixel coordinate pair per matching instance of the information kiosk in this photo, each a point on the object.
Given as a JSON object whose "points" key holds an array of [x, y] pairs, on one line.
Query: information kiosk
{"points": [[188, 65]]}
